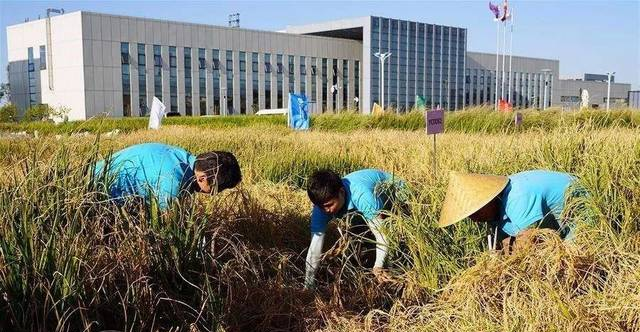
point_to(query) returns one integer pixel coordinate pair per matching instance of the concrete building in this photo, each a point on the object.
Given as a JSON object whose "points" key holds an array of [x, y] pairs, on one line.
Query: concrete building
{"points": [[570, 92], [531, 79], [96, 63], [426, 59]]}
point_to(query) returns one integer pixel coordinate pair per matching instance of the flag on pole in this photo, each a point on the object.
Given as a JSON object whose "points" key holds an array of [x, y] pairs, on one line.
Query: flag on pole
{"points": [[298, 112], [421, 104], [157, 113], [505, 11], [495, 10], [377, 109]]}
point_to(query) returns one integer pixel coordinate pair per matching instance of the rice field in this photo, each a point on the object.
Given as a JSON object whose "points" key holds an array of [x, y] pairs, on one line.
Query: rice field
{"points": [[71, 260]]}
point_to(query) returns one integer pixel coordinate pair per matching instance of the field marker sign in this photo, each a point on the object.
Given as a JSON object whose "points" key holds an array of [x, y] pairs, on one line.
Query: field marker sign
{"points": [[434, 121], [518, 119]]}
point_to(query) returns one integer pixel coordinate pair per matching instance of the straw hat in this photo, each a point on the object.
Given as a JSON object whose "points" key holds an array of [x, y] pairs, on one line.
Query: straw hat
{"points": [[468, 193]]}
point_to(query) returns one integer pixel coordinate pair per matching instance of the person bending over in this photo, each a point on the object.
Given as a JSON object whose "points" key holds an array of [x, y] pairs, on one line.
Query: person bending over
{"points": [[155, 171], [335, 197], [513, 204]]}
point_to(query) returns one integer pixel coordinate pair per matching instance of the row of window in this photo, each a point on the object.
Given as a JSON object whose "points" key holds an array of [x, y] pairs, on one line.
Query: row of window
{"points": [[222, 102], [527, 89]]}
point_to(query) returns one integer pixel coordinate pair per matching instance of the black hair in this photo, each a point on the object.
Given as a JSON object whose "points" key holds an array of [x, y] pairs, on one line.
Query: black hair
{"points": [[323, 185], [221, 168]]}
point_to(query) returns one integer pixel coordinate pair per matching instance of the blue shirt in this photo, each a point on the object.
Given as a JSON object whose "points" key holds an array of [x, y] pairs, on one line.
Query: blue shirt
{"points": [[149, 170], [361, 197], [530, 197]]}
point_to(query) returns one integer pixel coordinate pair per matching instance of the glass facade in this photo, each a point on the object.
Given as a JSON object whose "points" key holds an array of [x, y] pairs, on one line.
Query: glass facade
{"points": [[126, 79], [426, 60], [142, 81], [173, 79], [202, 81], [157, 72], [188, 83], [527, 89], [356, 83]]}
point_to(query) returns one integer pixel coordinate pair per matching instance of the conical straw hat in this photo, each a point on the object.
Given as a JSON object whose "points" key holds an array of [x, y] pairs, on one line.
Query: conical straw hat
{"points": [[468, 193]]}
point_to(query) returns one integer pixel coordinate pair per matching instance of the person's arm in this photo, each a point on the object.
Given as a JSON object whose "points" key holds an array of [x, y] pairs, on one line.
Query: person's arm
{"points": [[382, 244], [313, 259]]}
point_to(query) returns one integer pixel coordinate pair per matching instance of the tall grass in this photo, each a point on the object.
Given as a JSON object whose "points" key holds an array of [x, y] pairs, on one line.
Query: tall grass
{"points": [[72, 260], [477, 119]]}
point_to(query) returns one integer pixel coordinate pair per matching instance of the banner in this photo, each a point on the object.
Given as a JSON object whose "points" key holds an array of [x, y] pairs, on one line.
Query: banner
{"points": [[157, 113], [421, 104], [298, 112], [377, 109]]}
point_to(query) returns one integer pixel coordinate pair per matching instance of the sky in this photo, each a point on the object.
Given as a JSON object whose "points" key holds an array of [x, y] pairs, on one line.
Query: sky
{"points": [[587, 36]]}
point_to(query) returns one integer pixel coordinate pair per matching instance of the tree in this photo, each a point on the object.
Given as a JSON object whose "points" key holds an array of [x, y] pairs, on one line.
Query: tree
{"points": [[8, 113]]}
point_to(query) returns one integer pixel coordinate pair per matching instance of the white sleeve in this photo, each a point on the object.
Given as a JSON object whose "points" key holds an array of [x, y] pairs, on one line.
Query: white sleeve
{"points": [[381, 241], [313, 259]]}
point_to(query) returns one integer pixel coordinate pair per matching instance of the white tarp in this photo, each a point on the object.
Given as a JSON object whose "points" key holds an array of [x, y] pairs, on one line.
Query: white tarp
{"points": [[157, 113]]}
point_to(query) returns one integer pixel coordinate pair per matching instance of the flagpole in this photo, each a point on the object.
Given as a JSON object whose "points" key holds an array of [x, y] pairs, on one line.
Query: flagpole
{"points": [[510, 57], [497, 63], [504, 53]]}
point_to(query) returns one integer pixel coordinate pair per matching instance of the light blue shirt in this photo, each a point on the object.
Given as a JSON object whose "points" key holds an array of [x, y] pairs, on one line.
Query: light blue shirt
{"points": [[361, 197], [149, 170], [530, 197]]}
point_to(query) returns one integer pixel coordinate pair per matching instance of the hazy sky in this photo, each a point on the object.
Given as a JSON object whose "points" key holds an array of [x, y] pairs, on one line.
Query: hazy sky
{"points": [[586, 36]]}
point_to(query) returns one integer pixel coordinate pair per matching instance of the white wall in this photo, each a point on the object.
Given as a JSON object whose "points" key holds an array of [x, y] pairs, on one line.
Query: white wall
{"points": [[66, 63]]}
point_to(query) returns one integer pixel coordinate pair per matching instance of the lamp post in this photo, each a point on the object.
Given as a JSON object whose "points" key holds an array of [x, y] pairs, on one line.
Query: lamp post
{"points": [[546, 75], [609, 87], [382, 57]]}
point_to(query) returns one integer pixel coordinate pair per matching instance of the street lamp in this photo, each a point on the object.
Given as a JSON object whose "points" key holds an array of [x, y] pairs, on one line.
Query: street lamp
{"points": [[609, 87], [546, 75], [382, 57]]}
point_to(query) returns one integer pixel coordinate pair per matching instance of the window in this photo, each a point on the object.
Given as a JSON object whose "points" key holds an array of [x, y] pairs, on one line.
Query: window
{"points": [[31, 76], [356, 92], [254, 79], [279, 80], [126, 80], [43, 57], [142, 80], [292, 78], [188, 83], [157, 72], [229, 94], [303, 73], [202, 81], [345, 82], [267, 81], [243, 83], [216, 81], [173, 80], [314, 87], [324, 85]]}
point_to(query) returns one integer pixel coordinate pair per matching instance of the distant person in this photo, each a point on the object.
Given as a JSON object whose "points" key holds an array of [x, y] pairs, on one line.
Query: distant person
{"points": [[358, 193], [165, 172], [513, 204], [356, 101]]}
